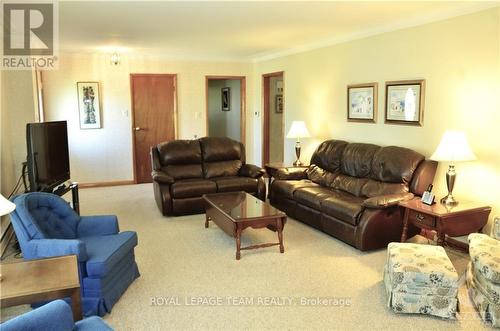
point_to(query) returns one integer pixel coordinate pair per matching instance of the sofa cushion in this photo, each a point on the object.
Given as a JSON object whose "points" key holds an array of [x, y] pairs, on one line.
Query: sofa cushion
{"points": [[320, 176], [357, 159], [349, 184], [286, 188], [185, 171], [221, 168], [179, 152], [485, 255], [105, 252], [188, 188], [311, 196], [221, 149], [395, 164], [328, 155], [233, 184], [374, 188], [343, 206]]}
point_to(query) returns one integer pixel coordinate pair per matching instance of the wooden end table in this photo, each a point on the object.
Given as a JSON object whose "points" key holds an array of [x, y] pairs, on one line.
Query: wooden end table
{"points": [[40, 280], [235, 211], [272, 169], [460, 220]]}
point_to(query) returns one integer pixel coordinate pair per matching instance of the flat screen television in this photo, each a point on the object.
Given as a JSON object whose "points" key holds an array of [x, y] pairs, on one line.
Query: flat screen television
{"points": [[48, 155]]}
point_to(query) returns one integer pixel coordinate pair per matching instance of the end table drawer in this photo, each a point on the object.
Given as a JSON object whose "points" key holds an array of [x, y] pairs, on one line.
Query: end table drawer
{"points": [[421, 218]]}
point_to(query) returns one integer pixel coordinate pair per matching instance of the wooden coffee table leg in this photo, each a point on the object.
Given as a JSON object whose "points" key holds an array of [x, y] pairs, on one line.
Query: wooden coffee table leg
{"points": [[76, 305], [238, 242], [405, 225], [207, 218], [280, 234]]}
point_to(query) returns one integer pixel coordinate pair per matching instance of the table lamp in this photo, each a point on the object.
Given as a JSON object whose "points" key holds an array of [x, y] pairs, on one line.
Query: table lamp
{"points": [[6, 207], [453, 147], [298, 130]]}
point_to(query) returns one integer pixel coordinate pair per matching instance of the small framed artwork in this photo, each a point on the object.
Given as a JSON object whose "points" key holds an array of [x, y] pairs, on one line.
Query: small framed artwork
{"points": [[226, 98], [362, 102], [404, 102], [89, 105], [279, 103]]}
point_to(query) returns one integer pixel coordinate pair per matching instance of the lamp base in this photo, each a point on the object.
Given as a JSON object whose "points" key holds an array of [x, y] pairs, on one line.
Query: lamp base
{"points": [[297, 163], [449, 200]]}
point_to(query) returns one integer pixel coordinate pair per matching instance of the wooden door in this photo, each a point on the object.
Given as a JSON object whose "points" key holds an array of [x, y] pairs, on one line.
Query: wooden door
{"points": [[154, 117]]}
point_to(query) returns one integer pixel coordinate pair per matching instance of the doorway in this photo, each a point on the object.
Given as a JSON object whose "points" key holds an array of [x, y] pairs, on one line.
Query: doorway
{"points": [[273, 116], [225, 107], [154, 109]]}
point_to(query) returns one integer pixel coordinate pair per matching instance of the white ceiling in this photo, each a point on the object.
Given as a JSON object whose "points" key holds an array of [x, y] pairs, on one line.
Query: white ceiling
{"points": [[237, 30]]}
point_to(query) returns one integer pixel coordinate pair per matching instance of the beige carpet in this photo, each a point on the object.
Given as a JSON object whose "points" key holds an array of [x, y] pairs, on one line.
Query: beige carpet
{"points": [[181, 261]]}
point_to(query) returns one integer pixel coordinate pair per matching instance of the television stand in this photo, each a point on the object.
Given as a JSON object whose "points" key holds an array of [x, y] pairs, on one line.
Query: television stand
{"points": [[75, 199]]}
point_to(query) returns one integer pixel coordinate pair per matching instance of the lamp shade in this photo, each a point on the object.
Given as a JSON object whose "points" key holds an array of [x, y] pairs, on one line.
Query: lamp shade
{"points": [[6, 207], [453, 147], [298, 130]]}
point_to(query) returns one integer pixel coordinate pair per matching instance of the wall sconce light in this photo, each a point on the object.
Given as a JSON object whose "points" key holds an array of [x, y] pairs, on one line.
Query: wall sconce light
{"points": [[115, 59]]}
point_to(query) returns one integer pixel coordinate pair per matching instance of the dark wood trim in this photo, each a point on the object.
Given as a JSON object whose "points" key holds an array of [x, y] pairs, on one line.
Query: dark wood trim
{"points": [[132, 110], [243, 97], [266, 114], [106, 184]]}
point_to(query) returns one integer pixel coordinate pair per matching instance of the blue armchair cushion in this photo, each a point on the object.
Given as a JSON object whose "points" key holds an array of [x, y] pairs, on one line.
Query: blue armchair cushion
{"points": [[46, 216], [105, 252]]}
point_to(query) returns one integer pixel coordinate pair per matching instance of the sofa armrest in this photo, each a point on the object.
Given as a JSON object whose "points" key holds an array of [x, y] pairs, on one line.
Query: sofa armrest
{"points": [[97, 226], [161, 177], [252, 171], [291, 173], [388, 200], [43, 248]]}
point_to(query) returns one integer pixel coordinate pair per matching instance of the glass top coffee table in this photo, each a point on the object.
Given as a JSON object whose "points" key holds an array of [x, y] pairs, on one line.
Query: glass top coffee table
{"points": [[235, 211]]}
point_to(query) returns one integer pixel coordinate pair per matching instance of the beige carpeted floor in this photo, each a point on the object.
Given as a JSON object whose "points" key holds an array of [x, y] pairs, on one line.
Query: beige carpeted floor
{"points": [[181, 262]]}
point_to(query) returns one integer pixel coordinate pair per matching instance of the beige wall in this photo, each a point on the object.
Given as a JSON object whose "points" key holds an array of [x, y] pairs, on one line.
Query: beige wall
{"points": [[17, 109], [459, 58], [106, 154]]}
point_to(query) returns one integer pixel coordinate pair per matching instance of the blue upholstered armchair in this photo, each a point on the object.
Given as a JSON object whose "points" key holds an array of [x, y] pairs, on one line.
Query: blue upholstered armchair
{"points": [[46, 226], [54, 316]]}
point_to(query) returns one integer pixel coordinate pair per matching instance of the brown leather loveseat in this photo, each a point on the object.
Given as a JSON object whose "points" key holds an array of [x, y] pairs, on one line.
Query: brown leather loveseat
{"points": [[184, 170], [351, 190]]}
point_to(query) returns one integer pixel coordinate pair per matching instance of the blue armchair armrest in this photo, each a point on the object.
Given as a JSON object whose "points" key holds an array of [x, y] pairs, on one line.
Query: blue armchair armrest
{"points": [[97, 226], [55, 315], [42, 248]]}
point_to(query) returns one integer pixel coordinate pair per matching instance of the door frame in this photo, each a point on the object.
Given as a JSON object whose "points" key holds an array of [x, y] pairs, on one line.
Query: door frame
{"points": [[266, 112], [132, 115], [243, 99]]}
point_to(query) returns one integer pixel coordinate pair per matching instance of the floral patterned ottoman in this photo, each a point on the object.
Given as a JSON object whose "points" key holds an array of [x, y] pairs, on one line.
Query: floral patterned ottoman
{"points": [[483, 276], [420, 279]]}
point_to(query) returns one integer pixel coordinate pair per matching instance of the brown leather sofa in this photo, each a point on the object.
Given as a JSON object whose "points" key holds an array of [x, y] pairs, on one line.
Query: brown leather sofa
{"points": [[184, 170], [351, 191]]}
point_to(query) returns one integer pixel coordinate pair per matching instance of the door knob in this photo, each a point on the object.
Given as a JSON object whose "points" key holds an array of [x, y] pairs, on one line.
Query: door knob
{"points": [[138, 128]]}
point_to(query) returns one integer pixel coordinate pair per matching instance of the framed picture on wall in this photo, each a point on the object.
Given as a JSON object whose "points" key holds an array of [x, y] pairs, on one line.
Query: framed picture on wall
{"points": [[404, 102], [89, 105], [226, 98], [362, 102], [279, 103]]}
